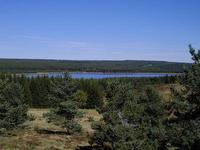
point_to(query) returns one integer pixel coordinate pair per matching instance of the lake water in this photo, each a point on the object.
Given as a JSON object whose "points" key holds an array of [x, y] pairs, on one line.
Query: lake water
{"points": [[94, 75]]}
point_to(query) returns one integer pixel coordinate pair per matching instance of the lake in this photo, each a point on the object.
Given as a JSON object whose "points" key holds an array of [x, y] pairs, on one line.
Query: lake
{"points": [[95, 75]]}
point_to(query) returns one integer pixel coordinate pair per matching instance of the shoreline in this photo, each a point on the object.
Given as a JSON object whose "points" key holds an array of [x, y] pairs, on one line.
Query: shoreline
{"points": [[97, 72]]}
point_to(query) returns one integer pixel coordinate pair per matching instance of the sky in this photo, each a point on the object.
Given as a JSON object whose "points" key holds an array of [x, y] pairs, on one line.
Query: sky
{"points": [[99, 29]]}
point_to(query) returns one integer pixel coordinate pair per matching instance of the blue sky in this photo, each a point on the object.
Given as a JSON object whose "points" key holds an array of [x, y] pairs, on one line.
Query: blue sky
{"points": [[99, 29]]}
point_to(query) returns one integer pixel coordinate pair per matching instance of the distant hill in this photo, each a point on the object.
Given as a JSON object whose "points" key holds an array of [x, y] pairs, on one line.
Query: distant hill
{"points": [[37, 65]]}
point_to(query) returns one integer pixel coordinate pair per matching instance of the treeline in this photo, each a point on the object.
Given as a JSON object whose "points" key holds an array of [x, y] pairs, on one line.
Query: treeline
{"points": [[40, 92], [31, 65]]}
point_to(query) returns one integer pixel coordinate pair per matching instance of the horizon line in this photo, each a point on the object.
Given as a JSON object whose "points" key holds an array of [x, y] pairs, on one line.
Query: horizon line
{"points": [[55, 59]]}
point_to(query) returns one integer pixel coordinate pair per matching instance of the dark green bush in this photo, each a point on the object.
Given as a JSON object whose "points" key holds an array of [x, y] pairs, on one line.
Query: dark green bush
{"points": [[13, 110], [67, 109], [72, 126], [81, 98], [64, 115]]}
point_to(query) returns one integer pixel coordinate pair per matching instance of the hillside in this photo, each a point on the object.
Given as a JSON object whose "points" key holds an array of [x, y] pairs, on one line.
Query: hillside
{"points": [[37, 65]]}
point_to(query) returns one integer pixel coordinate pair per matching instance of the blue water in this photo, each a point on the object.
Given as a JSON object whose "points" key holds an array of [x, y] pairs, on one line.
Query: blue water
{"points": [[94, 75]]}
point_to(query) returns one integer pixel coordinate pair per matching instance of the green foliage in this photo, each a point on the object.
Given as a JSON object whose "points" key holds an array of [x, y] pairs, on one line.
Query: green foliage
{"points": [[132, 122], [94, 93], [45, 92], [64, 115], [40, 89], [13, 110], [26, 90], [67, 109], [72, 126], [184, 110], [62, 89], [144, 121], [81, 98]]}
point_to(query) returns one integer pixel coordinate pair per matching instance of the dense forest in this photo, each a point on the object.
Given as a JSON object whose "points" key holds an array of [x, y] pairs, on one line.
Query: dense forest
{"points": [[135, 115], [39, 91], [29, 65]]}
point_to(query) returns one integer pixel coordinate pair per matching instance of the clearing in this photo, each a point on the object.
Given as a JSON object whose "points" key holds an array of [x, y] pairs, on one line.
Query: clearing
{"points": [[27, 138]]}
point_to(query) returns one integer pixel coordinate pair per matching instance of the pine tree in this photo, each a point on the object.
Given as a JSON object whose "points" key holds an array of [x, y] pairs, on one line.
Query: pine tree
{"points": [[13, 108], [26, 90], [94, 93], [184, 109], [61, 90]]}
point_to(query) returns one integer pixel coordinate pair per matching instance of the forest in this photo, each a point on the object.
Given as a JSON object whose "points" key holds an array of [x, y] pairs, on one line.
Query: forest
{"points": [[34, 65], [136, 113]]}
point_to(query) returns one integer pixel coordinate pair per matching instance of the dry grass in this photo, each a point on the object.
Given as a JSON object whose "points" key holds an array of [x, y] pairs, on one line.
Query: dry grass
{"points": [[164, 91], [85, 121], [29, 139]]}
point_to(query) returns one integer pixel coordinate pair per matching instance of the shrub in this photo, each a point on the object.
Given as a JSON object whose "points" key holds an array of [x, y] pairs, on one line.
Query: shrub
{"points": [[67, 109], [94, 92], [64, 116], [72, 126], [13, 110], [81, 98], [61, 90]]}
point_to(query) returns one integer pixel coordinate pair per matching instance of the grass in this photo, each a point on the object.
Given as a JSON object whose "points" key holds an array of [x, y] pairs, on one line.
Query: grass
{"points": [[164, 90], [28, 139]]}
